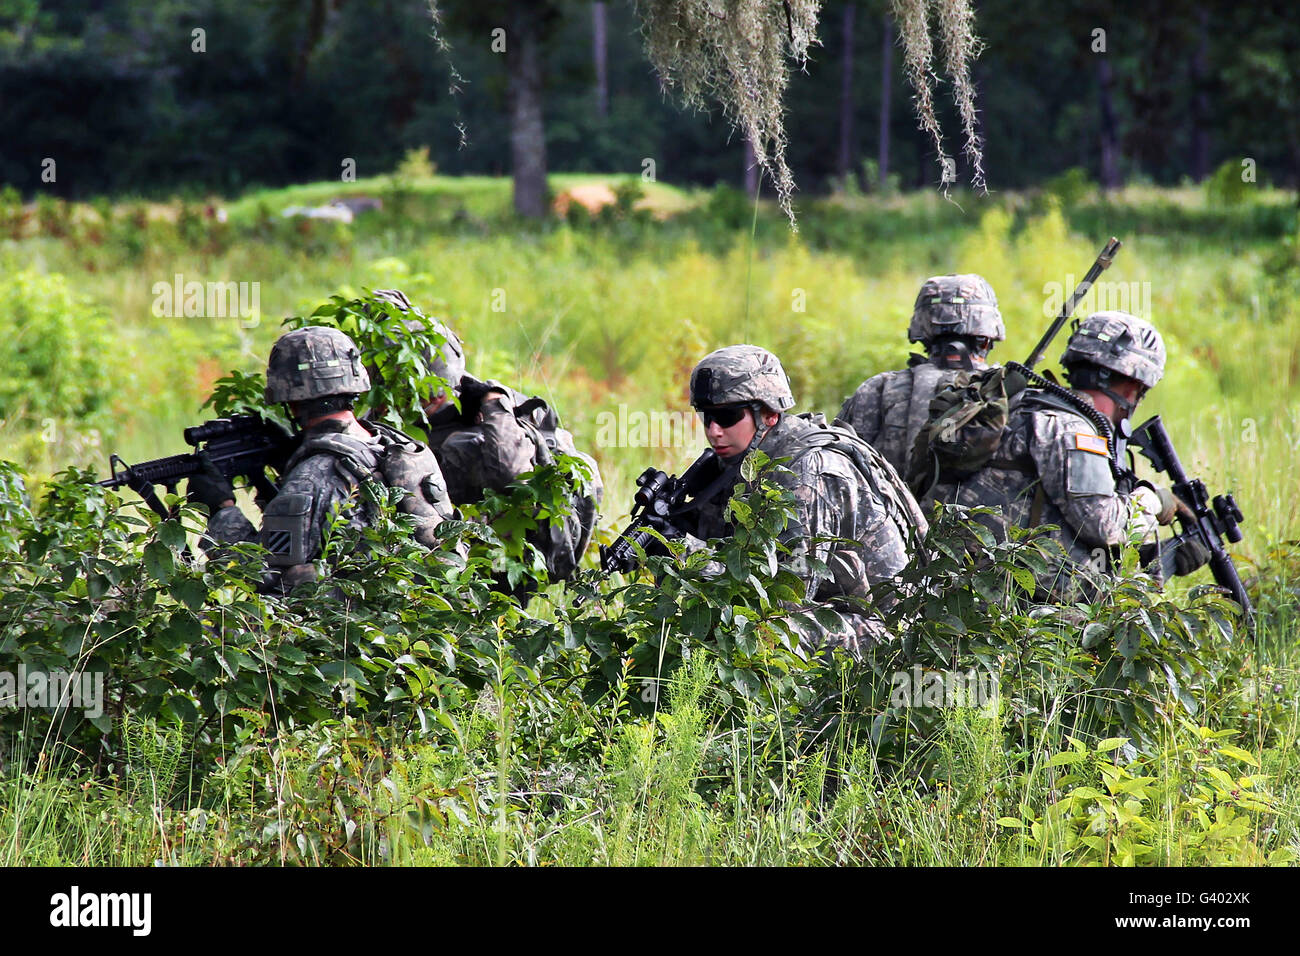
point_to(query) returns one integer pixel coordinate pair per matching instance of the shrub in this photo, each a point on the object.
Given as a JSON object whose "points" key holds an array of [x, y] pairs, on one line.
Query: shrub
{"points": [[1227, 185]]}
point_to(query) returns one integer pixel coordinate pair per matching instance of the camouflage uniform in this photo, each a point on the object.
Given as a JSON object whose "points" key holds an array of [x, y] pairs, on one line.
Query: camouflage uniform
{"points": [[489, 442], [485, 445], [843, 490], [888, 409], [1052, 466], [323, 476]]}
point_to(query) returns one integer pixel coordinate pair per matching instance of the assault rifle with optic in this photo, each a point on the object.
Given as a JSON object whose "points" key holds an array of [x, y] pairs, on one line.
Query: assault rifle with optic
{"points": [[240, 445], [1207, 520], [661, 498]]}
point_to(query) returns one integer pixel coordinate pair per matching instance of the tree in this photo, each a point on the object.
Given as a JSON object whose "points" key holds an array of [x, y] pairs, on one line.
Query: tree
{"points": [[886, 88], [516, 29], [600, 57], [846, 92]]}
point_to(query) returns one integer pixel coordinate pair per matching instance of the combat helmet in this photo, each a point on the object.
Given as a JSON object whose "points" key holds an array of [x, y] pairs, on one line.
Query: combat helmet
{"points": [[741, 374], [956, 305], [449, 361], [314, 362], [1120, 342]]}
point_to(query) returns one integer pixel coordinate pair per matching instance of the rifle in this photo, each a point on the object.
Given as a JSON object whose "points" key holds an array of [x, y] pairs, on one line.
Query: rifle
{"points": [[660, 497], [1104, 259], [1210, 520], [239, 445], [1116, 438]]}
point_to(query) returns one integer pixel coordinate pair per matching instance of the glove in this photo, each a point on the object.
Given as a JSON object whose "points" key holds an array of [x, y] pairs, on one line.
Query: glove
{"points": [[1160, 502], [1146, 509], [210, 487], [1190, 555], [1168, 505]]}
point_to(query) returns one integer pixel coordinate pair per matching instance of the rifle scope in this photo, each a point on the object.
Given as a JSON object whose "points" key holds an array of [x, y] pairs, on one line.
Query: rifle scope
{"points": [[217, 427], [1229, 516]]}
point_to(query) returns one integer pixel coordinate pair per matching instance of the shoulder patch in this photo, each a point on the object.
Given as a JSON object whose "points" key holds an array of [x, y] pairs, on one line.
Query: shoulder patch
{"points": [[1093, 443]]}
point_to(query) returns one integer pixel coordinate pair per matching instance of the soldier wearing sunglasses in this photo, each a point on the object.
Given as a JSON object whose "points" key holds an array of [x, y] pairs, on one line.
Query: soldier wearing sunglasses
{"points": [[854, 514]]}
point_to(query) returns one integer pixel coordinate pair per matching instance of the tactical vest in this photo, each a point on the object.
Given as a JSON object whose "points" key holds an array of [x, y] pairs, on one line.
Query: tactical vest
{"points": [[389, 458]]}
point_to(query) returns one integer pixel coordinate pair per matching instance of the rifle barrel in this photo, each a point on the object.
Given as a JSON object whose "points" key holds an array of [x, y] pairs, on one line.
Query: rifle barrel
{"points": [[1104, 259]]}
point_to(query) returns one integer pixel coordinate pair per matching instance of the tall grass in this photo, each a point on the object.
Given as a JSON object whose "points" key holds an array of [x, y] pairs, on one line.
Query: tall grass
{"points": [[591, 316], [678, 789]]}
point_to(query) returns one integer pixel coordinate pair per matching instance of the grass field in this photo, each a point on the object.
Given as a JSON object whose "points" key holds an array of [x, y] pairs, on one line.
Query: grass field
{"points": [[614, 310]]}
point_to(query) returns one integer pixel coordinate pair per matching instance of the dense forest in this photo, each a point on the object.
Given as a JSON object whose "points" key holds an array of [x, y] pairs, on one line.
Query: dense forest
{"points": [[129, 97]]}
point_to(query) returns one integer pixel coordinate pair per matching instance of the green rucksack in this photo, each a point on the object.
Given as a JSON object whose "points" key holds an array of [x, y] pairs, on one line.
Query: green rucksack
{"points": [[964, 430]]}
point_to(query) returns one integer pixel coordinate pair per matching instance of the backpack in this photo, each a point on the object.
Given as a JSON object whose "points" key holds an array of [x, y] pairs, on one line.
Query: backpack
{"points": [[964, 430], [878, 473]]}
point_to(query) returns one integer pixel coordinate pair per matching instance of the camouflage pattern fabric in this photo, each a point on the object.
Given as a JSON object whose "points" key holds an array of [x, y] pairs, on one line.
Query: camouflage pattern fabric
{"points": [[1048, 446], [485, 445], [843, 490], [740, 373], [888, 410], [322, 478], [313, 362], [963, 304]]}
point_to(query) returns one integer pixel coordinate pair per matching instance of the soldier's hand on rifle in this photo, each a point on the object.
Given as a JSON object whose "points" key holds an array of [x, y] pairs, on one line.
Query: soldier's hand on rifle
{"points": [[1161, 502], [210, 487], [1191, 554]]}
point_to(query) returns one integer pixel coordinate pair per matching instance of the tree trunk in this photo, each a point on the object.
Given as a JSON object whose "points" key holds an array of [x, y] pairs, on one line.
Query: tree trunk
{"points": [[846, 93], [600, 57], [1201, 98], [886, 89], [315, 27], [527, 130], [1110, 178], [751, 169]]}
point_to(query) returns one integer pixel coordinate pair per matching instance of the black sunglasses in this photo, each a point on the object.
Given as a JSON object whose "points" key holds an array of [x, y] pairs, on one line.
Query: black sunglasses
{"points": [[724, 415]]}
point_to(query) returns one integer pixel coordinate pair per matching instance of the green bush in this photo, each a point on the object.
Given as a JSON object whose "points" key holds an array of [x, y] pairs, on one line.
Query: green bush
{"points": [[1227, 185], [54, 363], [1070, 187], [56, 377]]}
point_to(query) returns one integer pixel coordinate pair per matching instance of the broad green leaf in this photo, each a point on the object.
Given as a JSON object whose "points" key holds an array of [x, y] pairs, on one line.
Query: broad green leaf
{"points": [[159, 561], [1245, 755]]}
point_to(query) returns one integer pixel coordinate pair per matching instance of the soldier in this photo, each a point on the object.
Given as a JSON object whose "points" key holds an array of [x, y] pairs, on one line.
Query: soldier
{"points": [[1053, 464], [956, 317], [497, 435], [844, 490], [317, 373]]}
